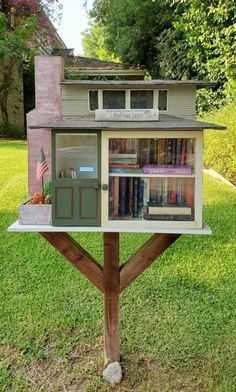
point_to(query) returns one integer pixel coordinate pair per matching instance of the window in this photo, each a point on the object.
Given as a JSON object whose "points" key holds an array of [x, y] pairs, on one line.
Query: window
{"points": [[93, 100], [162, 100], [141, 99], [113, 99]]}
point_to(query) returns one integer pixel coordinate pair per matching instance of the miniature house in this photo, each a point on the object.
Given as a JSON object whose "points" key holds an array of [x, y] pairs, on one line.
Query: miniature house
{"points": [[121, 153]]}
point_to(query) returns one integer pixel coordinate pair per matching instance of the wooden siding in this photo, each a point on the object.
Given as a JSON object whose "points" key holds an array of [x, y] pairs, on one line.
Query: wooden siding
{"points": [[74, 101], [181, 101]]}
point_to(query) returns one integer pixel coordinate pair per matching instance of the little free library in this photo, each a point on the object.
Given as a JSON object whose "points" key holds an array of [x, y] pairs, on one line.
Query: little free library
{"points": [[117, 156]]}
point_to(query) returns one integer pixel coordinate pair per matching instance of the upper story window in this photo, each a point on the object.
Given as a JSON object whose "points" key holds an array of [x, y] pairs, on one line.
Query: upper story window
{"points": [[93, 100], [141, 99], [128, 99], [113, 99], [162, 100]]}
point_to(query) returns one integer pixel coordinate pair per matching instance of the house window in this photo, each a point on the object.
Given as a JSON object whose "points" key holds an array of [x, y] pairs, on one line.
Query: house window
{"points": [[113, 99], [141, 99], [93, 100], [162, 100]]}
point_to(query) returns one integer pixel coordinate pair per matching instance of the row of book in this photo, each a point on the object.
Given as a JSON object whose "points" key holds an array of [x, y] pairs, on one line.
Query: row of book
{"points": [[143, 152], [134, 197]]}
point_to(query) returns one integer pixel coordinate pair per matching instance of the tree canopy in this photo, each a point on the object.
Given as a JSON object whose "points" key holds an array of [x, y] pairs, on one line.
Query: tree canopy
{"points": [[170, 38], [25, 25]]}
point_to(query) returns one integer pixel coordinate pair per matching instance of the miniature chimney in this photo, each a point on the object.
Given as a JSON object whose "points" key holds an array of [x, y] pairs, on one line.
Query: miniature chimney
{"points": [[49, 72]]}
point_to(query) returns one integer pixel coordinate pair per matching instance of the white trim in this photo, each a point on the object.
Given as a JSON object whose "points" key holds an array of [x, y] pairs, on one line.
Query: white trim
{"points": [[16, 227], [128, 97], [197, 223]]}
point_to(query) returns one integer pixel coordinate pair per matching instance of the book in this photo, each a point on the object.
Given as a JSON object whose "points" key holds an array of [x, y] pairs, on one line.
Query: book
{"points": [[124, 170], [123, 161], [169, 209], [135, 197], [116, 196], [173, 188], [146, 190], [169, 217], [131, 189], [183, 152], [123, 156], [123, 199], [178, 150], [168, 151], [167, 169], [161, 151], [123, 166]]}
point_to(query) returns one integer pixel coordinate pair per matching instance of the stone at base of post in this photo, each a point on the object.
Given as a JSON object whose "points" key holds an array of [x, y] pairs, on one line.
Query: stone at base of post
{"points": [[113, 373]]}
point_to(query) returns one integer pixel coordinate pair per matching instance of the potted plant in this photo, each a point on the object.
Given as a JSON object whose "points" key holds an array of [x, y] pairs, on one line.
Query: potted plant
{"points": [[38, 209]]}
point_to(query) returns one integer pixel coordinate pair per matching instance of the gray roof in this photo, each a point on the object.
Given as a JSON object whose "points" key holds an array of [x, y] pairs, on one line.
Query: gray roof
{"points": [[166, 122], [140, 84]]}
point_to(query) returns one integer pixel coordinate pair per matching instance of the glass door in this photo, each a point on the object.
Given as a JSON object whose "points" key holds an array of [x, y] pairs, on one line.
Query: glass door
{"points": [[76, 178]]}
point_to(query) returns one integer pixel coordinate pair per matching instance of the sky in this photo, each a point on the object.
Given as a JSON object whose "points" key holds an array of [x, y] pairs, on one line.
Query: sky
{"points": [[74, 21]]}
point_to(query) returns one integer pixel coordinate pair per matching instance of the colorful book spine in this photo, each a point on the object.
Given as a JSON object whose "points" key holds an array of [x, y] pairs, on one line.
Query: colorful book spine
{"points": [[178, 150], [131, 196], [157, 169], [119, 170], [183, 152], [116, 195], [123, 199], [168, 151], [135, 198]]}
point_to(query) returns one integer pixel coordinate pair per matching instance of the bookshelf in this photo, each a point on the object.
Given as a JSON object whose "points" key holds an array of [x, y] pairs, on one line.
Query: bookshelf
{"points": [[154, 179]]}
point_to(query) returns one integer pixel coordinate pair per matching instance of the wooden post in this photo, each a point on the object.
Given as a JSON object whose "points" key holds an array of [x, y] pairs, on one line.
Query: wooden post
{"points": [[111, 298]]}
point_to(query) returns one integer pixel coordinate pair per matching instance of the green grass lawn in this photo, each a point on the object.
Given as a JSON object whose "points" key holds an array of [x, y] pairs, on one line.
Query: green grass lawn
{"points": [[220, 146], [177, 319]]}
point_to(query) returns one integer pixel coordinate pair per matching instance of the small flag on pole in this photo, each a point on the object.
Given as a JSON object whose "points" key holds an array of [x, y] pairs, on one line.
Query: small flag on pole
{"points": [[42, 165]]}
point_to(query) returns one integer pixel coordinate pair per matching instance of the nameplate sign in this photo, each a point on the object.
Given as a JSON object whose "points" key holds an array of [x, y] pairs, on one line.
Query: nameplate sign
{"points": [[127, 115]]}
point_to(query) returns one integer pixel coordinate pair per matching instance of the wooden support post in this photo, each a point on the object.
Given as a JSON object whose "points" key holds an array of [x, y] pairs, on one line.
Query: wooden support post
{"points": [[111, 298]]}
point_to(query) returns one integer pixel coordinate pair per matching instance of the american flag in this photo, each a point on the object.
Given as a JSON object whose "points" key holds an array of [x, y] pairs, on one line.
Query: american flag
{"points": [[42, 165]]}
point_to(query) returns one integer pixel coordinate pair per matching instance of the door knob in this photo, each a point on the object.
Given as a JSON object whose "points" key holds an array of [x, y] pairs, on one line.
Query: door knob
{"points": [[104, 187]]}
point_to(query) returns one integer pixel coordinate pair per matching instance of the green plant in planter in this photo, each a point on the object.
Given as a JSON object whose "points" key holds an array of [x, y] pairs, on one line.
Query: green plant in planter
{"points": [[47, 191]]}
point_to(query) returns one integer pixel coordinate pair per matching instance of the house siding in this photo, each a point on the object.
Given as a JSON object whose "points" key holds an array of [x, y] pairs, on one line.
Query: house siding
{"points": [[181, 101]]}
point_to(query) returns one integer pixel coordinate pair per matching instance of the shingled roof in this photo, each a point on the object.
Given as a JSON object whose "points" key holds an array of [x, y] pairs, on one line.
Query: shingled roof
{"points": [[86, 63]]}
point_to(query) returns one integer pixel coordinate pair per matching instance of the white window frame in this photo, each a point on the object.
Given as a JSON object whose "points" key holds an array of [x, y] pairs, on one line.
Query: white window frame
{"points": [[128, 98]]}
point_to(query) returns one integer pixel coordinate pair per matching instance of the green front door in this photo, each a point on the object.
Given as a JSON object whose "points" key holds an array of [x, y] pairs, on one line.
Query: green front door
{"points": [[76, 179]]}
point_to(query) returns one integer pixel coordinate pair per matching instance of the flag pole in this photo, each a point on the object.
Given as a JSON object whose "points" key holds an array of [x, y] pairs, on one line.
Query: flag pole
{"points": [[42, 184]]}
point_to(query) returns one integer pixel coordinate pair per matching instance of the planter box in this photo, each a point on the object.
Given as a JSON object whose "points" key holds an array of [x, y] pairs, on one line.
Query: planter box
{"points": [[35, 214]]}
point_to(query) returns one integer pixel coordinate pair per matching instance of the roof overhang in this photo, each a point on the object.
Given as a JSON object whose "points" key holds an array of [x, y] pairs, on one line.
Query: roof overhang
{"points": [[138, 84], [166, 123]]}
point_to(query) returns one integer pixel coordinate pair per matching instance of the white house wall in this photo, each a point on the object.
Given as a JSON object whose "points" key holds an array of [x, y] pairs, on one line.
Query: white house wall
{"points": [[181, 101]]}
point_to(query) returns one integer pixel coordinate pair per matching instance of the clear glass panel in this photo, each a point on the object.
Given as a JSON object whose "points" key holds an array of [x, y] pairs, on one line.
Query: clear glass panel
{"points": [[151, 198], [113, 99], [141, 99], [151, 179], [93, 100], [153, 156], [162, 100], [76, 155]]}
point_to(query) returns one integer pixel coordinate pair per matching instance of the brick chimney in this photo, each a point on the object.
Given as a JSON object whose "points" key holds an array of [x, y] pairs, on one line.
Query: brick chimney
{"points": [[49, 72]]}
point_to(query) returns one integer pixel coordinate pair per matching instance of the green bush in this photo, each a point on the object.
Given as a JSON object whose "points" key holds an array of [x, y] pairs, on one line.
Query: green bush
{"points": [[220, 146]]}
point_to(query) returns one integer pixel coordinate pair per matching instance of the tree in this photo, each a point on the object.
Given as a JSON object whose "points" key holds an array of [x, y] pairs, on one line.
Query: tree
{"points": [[24, 26], [93, 44], [172, 38]]}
